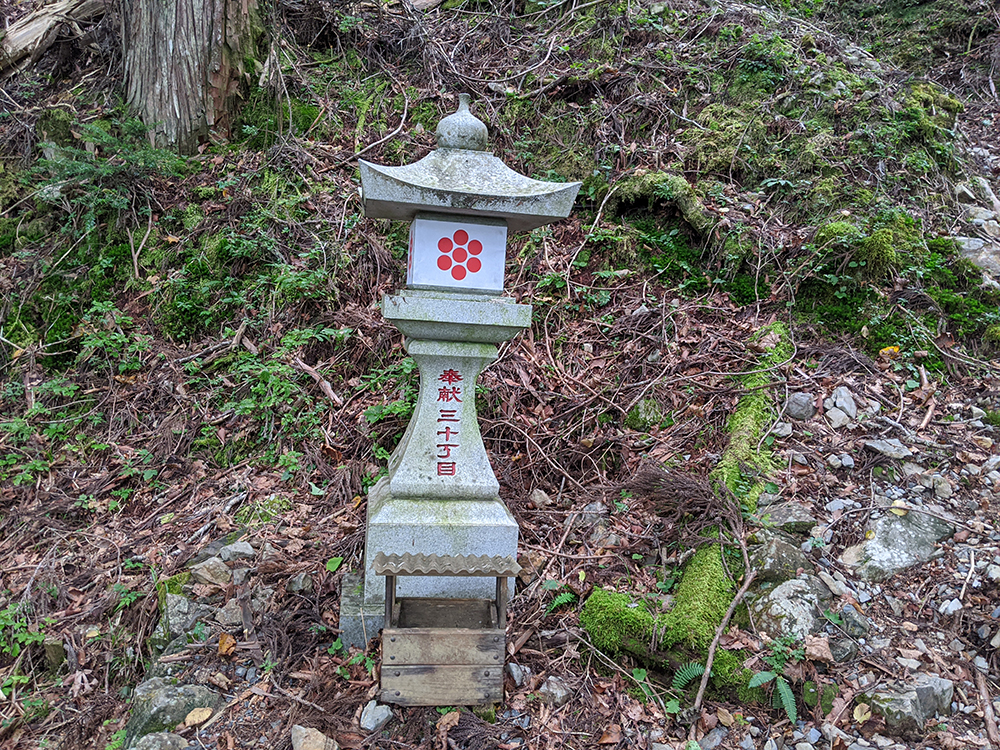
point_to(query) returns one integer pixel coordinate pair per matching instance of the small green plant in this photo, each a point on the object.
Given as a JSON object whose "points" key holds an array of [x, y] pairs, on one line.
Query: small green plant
{"points": [[782, 651], [117, 740], [17, 631], [561, 599], [687, 674]]}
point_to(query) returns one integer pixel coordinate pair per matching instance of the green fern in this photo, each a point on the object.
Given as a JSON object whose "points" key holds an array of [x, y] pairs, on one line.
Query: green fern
{"points": [[566, 597], [686, 674], [761, 678], [787, 698]]}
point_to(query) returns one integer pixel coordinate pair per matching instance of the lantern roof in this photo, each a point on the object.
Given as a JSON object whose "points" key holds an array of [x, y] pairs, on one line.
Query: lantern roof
{"points": [[461, 177]]}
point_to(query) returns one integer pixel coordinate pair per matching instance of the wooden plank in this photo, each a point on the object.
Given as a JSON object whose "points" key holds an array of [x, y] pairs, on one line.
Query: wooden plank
{"points": [[442, 685], [446, 613], [437, 646]]}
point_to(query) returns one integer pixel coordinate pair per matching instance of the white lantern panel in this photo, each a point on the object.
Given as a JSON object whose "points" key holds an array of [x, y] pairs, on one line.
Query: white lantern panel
{"points": [[457, 253]]}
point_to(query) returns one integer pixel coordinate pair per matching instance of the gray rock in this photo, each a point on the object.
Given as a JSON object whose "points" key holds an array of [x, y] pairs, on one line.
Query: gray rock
{"points": [[905, 708], [804, 746], [713, 739], [793, 607], [942, 487], [837, 418], [897, 543], [55, 652], [846, 461], [306, 738], [161, 741], [964, 193], [178, 617], [993, 572], [854, 623], [781, 429], [299, 583], [834, 462], [230, 614], [212, 572], [843, 399], [747, 743], [778, 560], [236, 551], [837, 588], [800, 406], [555, 692], [794, 518], [950, 606], [843, 650], [518, 673], [770, 745], [374, 717], [158, 705], [540, 498], [891, 448], [814, 735]]}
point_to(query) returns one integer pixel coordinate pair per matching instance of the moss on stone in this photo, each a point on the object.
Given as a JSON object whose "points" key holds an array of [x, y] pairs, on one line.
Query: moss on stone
{"points": [[750, 417], [838, 235], [700, 603], [668, 187], [615, 620], [879, 253], [992, 335], [644, 415]]}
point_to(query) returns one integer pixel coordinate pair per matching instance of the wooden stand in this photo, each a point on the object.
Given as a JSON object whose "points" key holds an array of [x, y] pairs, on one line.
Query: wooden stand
{"points": [[443, 652]]}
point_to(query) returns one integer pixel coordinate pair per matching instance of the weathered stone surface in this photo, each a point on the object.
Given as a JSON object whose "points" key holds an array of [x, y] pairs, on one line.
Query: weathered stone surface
{"points": [[158, 705], [161, 741], [307, 738], [843, 399], [792, 608], [713, 739], [179, 615], [299, 583], [897, 543], [450, 316], [540, 498], [55, 652], [837, 418], [906, 707], [794, 518], [236, 551], [555, 692], [854, 623], [891, 448], [374, 716], [800, 406], [781, 429], [983, 253], [212, 571], [777, 560]]}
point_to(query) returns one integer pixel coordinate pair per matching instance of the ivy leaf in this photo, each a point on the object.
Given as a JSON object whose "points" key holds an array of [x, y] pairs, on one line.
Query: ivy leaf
{"points": [[333, 563]]}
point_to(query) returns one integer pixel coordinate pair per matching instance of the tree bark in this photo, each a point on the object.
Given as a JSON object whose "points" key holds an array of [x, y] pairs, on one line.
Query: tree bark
{"points": [[184, 63]]}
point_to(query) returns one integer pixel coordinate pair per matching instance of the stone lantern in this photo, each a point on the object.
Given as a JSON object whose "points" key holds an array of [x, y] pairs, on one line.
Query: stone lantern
{"points": [[441, 497]]}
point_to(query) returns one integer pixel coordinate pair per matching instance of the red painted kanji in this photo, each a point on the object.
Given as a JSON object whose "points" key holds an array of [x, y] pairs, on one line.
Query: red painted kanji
{"points": [[449, 394], [448, 415], [450, 377], [447, 469], [448, 433], [446, 450]]}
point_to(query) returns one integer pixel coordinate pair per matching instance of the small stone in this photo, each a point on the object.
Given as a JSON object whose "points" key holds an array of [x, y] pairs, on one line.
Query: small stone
{"points": [[230, 613], [964, 193], [55, 652], [843, 650], [238, 550], [770, 745], [814, 735], [977, 413], [942, 488], [555, 692], [307, 738], [800, 406], [713, 739], [981, 664], [518, 673], [846, 461], [844, 400], [912, 664], [891, 448], [950, 607], [161, 741], [803, 746], [240, 575], [794, 518], [837, 418], [836, 587], [747, 743], [299, 583], [855, 623], [834, 462], [374, 716], [539, 498], [212, 572], [781, 429]]}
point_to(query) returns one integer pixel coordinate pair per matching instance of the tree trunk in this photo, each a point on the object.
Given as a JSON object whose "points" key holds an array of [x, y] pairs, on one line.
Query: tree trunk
{"points": [[184, 63]]}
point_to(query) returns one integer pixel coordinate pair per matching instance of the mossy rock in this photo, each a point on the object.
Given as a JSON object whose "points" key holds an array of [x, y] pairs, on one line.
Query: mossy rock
{"points": [[615, 621], [701, 601], [879, 254], [668, 187], [55, 126], [839, 235], [644, 415]]}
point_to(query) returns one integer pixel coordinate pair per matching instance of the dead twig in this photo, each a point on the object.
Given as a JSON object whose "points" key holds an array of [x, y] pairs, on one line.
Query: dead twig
{"points": [[989, 718]]}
